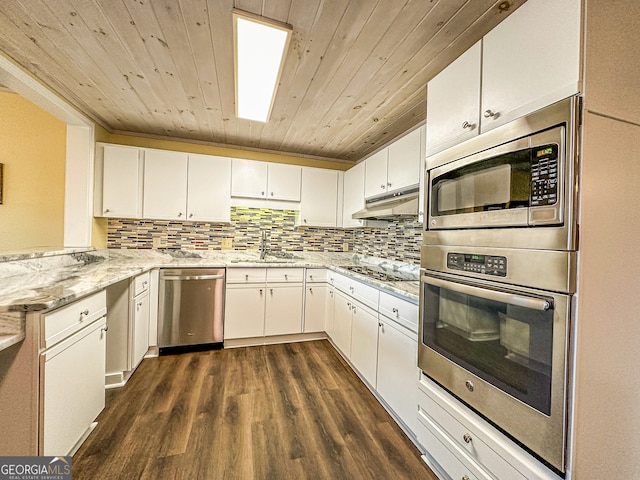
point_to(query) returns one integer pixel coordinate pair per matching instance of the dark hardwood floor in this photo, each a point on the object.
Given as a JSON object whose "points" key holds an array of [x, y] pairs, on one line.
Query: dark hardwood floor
{"points": [[291, 411]]}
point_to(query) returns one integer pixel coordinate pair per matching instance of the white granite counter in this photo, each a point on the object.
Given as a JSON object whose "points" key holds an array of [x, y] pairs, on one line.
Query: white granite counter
{"points": [[42, 282]]}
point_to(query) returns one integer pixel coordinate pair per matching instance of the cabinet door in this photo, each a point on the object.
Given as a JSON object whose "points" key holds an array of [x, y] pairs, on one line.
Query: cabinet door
{"points": [[244, 312], [284, 182], [315, 308], [73, 388], [364, 342], [421, 196], [330, 312], [121, 182], [353, 195], [248, 178], [375, 174], [403, 168], [283, 313], [319, 203], [342, 324], [530, 60], [140, 343], [209, 188], [397, 379], [165, 185], [453, 102]]}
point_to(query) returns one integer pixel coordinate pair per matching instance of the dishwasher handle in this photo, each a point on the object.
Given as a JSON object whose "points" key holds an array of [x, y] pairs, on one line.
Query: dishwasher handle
{"points": [[193, 277]]}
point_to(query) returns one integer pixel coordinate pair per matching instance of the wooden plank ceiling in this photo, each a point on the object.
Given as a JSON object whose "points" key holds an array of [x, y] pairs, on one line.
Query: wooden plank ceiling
{"points": [[354, 76]]}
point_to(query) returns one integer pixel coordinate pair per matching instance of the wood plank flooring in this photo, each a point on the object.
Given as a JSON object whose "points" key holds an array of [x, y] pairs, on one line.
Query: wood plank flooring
{"points": [[290, 411]]}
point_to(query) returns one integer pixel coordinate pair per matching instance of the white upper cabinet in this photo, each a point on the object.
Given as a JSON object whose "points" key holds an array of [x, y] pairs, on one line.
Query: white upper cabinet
{"points": [[319, 203], [272, 181], [375, 177], [248, 178], [530, 60], [165, 185], [403, 167], [121, 182], [209, 188], [353, 195], [453, 101], [284, 182], [394, 167]]}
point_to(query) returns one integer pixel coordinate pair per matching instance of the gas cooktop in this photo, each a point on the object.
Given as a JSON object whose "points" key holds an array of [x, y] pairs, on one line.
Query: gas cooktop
{"points": [[380, 273]]}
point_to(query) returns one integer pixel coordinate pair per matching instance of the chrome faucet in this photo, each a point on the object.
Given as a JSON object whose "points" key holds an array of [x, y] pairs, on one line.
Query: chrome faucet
{"points": [[264, 245]]}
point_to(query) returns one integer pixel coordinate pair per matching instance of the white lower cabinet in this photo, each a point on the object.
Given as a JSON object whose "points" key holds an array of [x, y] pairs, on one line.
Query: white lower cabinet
{"points": [[342, 319], [244, 311], [397, 375], [315, 307], [364, 341], [72, 373], [140, 336], [458, 442], [283, 311], [262, 302]]}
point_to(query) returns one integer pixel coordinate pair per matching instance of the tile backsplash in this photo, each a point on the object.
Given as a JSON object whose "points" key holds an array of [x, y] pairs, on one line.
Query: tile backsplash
{"points": [[399, 241]]}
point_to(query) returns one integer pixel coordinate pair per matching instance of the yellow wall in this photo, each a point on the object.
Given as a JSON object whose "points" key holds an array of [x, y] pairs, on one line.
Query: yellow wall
{"points": [[33, 150], [222, 151]]}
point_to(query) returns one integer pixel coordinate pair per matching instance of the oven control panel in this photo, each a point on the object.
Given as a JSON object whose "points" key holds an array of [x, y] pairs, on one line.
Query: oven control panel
{"points": [[471, 262]]}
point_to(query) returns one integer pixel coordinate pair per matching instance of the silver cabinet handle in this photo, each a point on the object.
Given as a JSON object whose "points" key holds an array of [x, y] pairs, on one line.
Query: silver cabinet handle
{"points": [[191, 215], [179, 214], [84, 312], [354, 309], [533, 303], [304, 220], [260, 291], [310, 290], [465, 477], [106, 210], [379, 324], [394, 310], [262, 193], [105, 328], [351, 288], [246, 277], [286, 277], [382, 186], [467, 438], [310, 277], [489, 113], [144, 284], [271, 291], [272, 194], [468, 125], [388, 185]]}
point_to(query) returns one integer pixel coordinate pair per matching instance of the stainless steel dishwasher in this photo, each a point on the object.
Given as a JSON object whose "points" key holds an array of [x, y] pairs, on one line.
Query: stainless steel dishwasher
{"points": [[191, 309]]}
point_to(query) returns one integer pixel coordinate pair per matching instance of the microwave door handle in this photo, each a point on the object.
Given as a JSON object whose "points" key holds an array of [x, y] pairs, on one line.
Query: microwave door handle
{"points": [[496, 295]]}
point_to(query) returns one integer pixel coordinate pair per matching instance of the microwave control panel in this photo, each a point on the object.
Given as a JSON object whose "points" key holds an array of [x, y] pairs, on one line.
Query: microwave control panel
{"points": [[485, 264], [544, 175]]}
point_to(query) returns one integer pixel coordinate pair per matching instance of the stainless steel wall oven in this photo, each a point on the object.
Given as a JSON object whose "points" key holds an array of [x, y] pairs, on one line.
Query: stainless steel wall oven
{"points": [[498, 275]]}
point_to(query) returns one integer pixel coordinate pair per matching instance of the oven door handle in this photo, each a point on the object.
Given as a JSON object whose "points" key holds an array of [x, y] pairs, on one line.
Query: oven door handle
{"points": [[489, 294]]}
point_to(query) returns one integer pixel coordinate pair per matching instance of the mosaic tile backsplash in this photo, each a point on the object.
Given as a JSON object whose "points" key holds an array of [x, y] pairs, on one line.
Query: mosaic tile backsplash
{"points": [[400, 241]]}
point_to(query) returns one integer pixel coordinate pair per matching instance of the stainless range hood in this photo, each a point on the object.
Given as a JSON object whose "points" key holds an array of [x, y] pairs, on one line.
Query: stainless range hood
{"points": [[401, 204]]}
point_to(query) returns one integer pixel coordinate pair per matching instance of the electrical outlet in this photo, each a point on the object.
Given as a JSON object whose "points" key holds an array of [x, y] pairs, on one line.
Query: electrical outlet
{"points": [[227, 244], [345, 247]]}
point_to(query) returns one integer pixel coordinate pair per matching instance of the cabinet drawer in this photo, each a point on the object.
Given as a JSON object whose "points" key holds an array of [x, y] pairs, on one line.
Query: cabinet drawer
{"points": [[402, 311], [285, 275], [141, 284], [466, 439], [364, 293], [316, 275], [246, 275], [66, 320], [339, 281], [437, 448]]}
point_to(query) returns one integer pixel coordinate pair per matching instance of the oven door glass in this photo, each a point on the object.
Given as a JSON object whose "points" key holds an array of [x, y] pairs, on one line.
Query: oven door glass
{"points": [[501, 336]]}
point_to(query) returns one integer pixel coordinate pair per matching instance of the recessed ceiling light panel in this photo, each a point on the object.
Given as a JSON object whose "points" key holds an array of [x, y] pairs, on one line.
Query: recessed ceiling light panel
{"points": [[260, 48]]}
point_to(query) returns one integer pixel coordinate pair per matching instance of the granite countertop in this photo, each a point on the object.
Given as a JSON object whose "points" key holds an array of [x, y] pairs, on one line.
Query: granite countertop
{"points": [[47, 281]]}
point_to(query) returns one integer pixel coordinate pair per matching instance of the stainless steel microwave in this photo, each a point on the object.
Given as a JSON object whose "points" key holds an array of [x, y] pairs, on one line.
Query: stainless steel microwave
{"points": [[514, 186]]}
